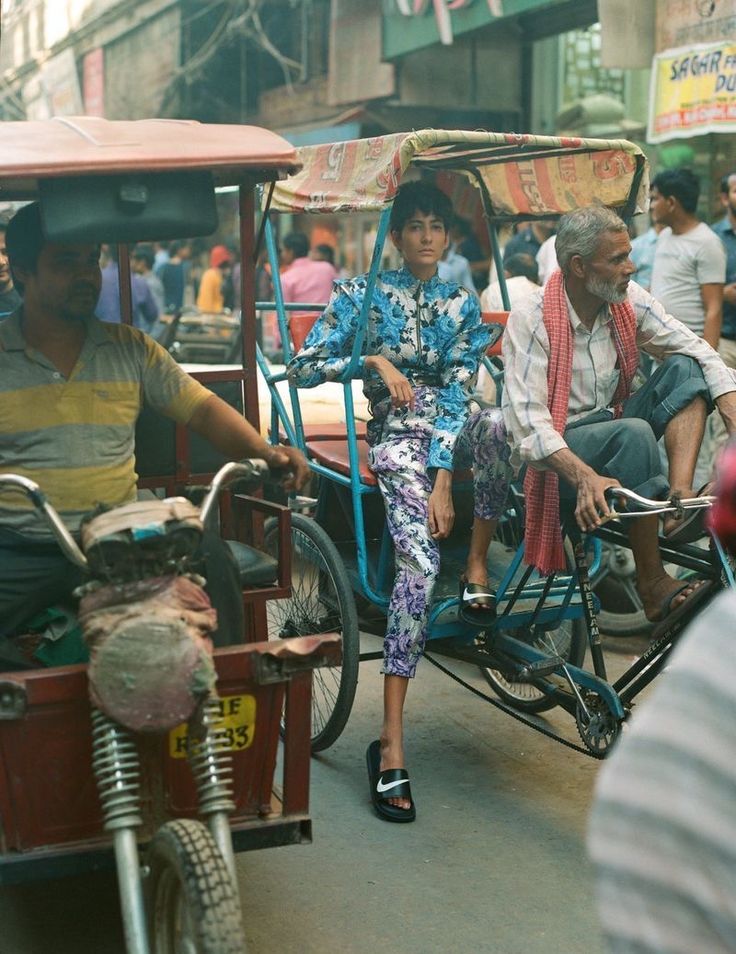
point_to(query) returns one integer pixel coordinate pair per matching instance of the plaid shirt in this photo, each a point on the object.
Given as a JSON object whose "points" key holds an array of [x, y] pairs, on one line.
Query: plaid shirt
{"points": [[594, 371]]}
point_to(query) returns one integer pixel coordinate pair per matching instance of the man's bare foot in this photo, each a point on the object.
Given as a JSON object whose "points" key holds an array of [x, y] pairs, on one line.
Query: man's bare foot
{"points": [[657, 595], [392, 757]]}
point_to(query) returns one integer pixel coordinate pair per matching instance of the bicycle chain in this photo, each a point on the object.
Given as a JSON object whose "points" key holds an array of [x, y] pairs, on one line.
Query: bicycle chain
{"points": [[514, 714]]}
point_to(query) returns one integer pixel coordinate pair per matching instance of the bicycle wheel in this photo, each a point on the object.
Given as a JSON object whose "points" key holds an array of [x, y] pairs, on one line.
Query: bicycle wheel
{"points": [[192, 904], [321, 601], [567, 641]]}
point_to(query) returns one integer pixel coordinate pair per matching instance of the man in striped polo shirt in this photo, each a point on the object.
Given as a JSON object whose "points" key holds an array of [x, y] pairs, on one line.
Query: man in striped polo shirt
{"points": [[71, 390]]}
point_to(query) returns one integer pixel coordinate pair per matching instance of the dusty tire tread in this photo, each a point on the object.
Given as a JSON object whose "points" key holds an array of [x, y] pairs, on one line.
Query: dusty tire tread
{"points": [[187, 847]]}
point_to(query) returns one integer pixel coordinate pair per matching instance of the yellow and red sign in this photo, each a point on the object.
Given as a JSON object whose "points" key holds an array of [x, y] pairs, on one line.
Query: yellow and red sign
{"points": [[693, 92]]}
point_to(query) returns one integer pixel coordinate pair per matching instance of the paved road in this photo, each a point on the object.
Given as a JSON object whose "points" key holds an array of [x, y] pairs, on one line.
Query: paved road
{"points": [[495, 861]]}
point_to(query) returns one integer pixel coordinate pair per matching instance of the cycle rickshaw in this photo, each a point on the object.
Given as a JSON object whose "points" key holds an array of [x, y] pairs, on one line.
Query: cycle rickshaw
{"points": [[80, 791], [533, 656]]}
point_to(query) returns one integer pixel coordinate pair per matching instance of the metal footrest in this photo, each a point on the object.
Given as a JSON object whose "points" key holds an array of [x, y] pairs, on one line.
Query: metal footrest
{"points": [[537, 670]]}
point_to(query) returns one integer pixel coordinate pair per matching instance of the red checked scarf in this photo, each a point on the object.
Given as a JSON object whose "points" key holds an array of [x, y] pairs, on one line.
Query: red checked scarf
{"points": [[541, 487]]}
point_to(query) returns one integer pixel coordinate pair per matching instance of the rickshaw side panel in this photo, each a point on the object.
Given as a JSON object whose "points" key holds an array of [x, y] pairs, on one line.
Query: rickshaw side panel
{"points": [[48, 795]]}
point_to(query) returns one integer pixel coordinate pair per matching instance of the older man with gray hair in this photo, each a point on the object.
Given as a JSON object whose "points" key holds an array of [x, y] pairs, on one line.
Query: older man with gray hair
{"points": [[570, 352]]}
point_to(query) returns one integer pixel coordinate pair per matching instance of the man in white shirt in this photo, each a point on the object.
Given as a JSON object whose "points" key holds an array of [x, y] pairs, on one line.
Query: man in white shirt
{"points": [[567, 403], [522, 280], [547, 259], [689, 268]]}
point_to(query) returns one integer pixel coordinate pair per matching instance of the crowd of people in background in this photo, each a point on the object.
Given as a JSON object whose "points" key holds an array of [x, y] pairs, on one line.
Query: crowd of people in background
{"points": [[687, 265]]}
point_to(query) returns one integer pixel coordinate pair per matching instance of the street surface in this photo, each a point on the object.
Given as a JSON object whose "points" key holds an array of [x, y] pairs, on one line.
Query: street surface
{"points": [[495, 861]]}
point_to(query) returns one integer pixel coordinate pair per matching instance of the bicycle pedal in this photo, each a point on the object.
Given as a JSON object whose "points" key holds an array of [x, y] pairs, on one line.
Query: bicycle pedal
{"points": [[543, 667]]}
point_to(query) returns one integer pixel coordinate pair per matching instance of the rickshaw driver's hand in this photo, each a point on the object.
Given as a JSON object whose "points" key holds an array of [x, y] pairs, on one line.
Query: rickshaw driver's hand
{"points": [[292, 460], [592, 504], [401, 391], [591, 487], [441, 511]]}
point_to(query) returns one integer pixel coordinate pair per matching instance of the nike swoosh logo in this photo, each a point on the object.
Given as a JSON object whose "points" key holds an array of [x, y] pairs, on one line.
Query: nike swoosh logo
{"points": [[382, 787], [471, 597]]}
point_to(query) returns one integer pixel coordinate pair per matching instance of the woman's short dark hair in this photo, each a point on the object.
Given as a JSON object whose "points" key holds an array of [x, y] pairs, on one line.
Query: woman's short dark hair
{"points": [[24, 240], [421, 197], [682, 184]]}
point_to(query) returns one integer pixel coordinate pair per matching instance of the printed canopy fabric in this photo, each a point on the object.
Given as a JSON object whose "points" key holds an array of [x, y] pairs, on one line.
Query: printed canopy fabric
{"points": [[524, 174]]}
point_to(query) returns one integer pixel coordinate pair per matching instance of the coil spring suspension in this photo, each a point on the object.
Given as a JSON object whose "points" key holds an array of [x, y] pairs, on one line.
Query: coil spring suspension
{"points": [[117, 770], [211, 764]]}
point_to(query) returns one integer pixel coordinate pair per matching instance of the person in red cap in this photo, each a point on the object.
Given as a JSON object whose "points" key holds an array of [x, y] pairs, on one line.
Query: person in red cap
{"points": [[210, 297]]}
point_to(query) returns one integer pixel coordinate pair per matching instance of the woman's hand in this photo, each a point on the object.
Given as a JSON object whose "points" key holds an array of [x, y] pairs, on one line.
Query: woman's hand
{"points": [[441, 510], [401, 391]]}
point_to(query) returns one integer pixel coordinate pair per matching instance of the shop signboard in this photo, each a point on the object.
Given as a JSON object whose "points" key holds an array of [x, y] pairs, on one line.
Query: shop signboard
{"points": [[693, 91]]}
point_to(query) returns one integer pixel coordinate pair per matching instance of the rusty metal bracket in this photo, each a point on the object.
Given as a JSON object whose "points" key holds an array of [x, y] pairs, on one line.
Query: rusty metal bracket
{"points": [[291, 656], [13, 700]]}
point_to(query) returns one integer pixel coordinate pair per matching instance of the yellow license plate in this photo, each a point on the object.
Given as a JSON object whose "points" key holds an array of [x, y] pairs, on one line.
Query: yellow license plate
{"points": [[237, 720]]}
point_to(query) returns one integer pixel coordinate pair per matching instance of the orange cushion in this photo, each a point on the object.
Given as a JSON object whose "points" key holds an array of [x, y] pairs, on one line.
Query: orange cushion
{"points": [[334, 454], [497, 318]]}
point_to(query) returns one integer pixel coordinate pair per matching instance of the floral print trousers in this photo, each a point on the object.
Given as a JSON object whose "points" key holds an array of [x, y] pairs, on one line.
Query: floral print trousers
{"points": [[400, 465]]}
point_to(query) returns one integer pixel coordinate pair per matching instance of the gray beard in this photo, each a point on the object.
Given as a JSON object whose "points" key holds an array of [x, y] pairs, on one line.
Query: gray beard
{"points": [[607, 291]]}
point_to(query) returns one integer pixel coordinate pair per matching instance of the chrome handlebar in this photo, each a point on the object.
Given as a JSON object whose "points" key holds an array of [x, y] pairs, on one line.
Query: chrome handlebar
{"points": [[648, 506], [37, 497], [253, 470]]}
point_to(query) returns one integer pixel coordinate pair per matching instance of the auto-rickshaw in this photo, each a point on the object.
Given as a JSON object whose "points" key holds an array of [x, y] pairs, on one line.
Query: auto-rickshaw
{"points": [[78, 790]]}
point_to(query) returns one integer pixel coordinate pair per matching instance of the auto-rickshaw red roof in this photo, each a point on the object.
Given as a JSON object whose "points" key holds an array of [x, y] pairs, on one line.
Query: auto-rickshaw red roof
{"points": [[85, 145]]}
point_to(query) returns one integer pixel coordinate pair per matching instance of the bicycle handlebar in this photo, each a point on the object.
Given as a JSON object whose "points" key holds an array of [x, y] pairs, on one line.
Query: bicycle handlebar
{"points": [[648, 506], [252, 470], [37, 497]]}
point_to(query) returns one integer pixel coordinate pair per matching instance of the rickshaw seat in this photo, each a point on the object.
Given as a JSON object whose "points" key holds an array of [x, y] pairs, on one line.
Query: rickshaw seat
{"points": [[333, 453], [255, 568], [497, 318], [300, 324]]}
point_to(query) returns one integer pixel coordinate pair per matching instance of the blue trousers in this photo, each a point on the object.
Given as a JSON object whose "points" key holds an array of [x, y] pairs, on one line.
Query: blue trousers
{"points": [[626, 448]]}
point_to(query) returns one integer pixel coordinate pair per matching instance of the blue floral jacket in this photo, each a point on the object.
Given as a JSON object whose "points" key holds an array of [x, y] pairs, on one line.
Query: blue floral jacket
{"points": [[431, 330]]}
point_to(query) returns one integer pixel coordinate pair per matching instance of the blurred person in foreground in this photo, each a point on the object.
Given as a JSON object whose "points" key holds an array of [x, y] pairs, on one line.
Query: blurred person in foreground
{"points": [[662, 830]]}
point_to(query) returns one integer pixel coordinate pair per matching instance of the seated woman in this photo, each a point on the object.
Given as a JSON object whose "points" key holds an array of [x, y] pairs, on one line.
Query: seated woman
{"points": [[423, 345]]}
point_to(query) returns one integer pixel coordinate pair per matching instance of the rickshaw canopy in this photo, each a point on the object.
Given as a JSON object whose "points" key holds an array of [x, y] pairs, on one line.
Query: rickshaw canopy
{"points": [[86, 145], [520, 176]]}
